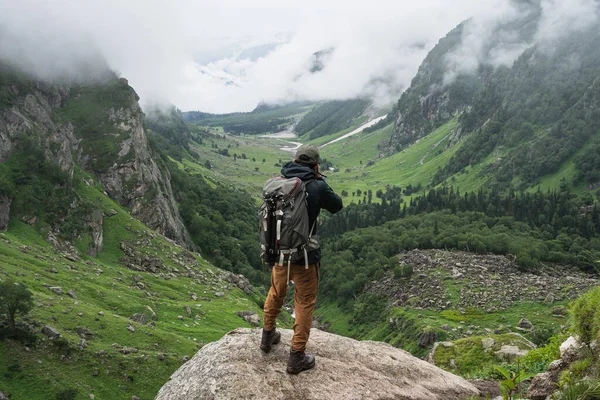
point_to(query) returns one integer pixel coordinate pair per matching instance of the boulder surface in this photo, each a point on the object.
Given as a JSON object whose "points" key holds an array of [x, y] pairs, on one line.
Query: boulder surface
{"points": [[235, 368]]}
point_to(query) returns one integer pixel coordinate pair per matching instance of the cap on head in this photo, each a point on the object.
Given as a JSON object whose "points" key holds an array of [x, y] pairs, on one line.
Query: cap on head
{"points": [[307, 154]]}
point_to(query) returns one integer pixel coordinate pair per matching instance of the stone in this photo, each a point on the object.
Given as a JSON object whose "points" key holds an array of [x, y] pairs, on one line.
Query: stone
{"points": [[510, 353], [128, 350], [219, 294], [130, 328], [250, 317], [488, 344], [489, 389], [557, 365], [101, 313], [542, 386], [559, 311], [188, 311], [51, 332], [160, 356], [549, 299], [570, 350], [92, 397], [135, 398], [71, 293], [345, 369], [253, 319], [56, 289], [525, 324], [426, 339], [84, 333], [3, 396], [139, 318]]}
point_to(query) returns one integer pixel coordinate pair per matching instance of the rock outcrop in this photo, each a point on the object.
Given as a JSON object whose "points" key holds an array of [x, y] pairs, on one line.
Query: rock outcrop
{"points": [[235, 368], [109, 142]]}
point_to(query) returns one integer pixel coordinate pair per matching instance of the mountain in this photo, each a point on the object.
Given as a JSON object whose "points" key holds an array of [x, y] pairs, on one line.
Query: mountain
{"points": [[95, 129], [331, 117], [262, 120], [90, 225], [519, 119]]}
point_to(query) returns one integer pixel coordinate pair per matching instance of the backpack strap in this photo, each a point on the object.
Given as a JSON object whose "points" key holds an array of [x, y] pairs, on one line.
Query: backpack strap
{"points": [[312, 229]]}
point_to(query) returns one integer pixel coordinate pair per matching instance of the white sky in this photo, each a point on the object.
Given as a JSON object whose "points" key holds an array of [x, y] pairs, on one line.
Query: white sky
{"points": [[156, 44]]}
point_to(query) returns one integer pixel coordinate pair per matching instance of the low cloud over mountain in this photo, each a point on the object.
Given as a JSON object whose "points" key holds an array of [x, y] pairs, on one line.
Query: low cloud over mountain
{"points": [[222, 56]]}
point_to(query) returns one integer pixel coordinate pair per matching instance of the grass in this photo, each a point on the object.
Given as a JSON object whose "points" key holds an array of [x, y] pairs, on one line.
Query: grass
{"points": [[102, 284], [238, 171], [467, 356], [414, 165]]}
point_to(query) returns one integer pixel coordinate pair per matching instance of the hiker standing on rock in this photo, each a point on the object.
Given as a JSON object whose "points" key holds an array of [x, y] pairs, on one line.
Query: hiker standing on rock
{"points": [[288, 233]]}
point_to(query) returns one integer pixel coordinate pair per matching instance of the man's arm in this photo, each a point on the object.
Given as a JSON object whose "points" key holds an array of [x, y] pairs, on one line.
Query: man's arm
{"points": [[329, 199]]}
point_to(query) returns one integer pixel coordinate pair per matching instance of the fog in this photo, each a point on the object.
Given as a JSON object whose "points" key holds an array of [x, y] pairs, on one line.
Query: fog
{"points": [[229, 55], [493, 37]]}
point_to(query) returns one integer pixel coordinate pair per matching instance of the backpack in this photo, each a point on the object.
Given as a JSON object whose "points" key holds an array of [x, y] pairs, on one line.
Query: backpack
{"points": [[283, 221]]}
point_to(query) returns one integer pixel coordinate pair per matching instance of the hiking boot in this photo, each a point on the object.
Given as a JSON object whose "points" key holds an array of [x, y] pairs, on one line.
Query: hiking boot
{"points": [[269, 338], [299, 362]]}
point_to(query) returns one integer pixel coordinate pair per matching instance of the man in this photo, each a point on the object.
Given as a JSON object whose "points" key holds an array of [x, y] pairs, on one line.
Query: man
{"points": [[306, 280]]}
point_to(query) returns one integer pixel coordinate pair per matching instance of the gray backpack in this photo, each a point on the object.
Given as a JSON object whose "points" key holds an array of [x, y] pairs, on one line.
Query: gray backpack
{"points": [[283, 222]]}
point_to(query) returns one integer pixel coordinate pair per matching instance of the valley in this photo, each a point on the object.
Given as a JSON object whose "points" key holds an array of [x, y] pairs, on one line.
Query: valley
{"points": [[470, 234]]}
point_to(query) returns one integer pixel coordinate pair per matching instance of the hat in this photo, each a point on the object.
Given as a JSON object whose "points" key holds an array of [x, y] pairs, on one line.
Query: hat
{"points": [[308, 154]]}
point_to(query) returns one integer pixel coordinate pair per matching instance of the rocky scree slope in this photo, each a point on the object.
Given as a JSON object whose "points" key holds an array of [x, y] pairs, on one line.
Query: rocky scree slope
{"points": [[488, 282], [235, 367], [96, 127]]}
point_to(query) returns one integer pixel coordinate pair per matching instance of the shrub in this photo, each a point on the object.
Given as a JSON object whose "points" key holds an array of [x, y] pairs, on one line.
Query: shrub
{"points": [[585, 317], [584, 390], [14, 299], [403, 271], [67, 394], [539, 359]]}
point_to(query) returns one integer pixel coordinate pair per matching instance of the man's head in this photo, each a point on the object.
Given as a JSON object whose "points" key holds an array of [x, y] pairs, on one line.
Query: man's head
{"points": [[308, 155]]}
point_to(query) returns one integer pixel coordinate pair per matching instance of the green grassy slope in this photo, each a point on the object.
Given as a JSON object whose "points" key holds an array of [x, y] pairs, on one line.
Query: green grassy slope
{"points": [[43, 370], [248, 173], [416, 164]]}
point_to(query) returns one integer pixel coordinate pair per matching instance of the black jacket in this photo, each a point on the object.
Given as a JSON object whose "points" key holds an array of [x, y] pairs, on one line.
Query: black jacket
{"points": [[320, 195]]}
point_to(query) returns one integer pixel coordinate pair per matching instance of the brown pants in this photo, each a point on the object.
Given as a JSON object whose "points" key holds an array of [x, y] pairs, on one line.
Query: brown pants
{"points": [[306, 283]]}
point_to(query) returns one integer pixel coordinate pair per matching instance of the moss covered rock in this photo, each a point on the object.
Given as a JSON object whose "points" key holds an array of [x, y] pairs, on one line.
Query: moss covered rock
{"points": [[470, 355]]}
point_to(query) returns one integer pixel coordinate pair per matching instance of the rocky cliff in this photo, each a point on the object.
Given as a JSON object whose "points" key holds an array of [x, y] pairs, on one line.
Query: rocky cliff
{"points": [[235, 368], [98, 127], [457, 68]]}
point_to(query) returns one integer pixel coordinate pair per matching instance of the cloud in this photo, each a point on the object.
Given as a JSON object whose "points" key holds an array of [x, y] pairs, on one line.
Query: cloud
{"points": [[563, 17], [491, 37], [498, 36], [187, 52]]}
